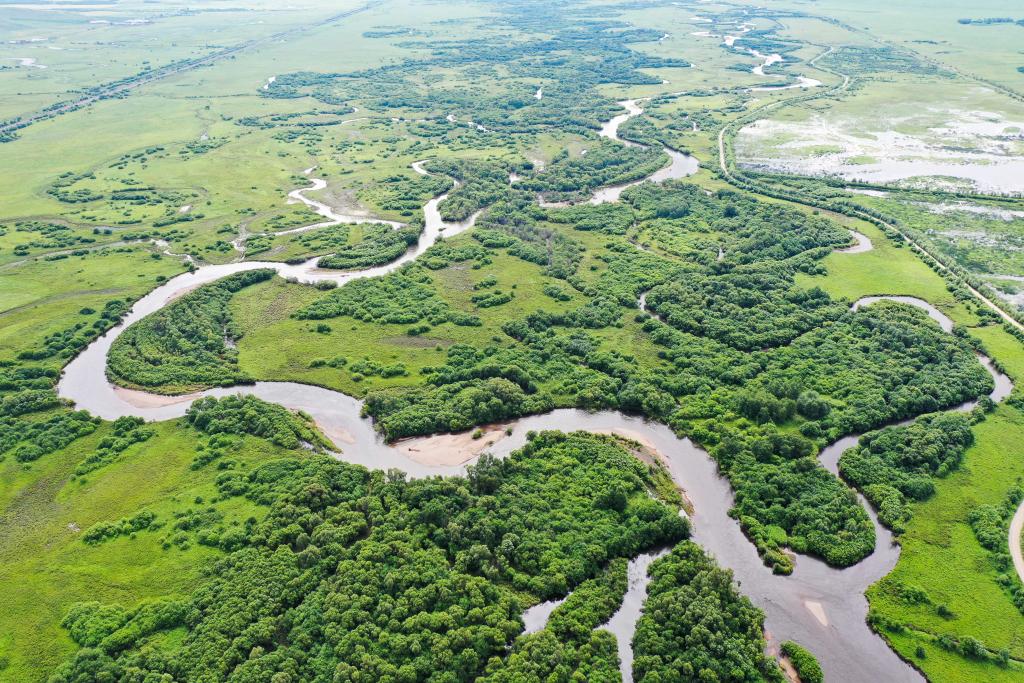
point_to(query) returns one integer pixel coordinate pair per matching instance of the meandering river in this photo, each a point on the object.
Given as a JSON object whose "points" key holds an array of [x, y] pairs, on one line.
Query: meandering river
{"points": [[680, 165], [821, 607]]}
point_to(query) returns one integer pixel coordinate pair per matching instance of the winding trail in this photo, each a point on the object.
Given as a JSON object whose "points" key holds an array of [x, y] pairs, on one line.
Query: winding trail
{"points": [[819, 606]]}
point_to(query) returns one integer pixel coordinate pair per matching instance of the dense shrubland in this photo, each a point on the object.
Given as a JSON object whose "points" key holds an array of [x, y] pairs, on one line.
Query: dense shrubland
{"points": [[405, 194], [897, 465], [480, 184], [863, 60], [48, 237], [405, 297], [768, 354], [696, 626], [594, 601], [575, 177], [249, 415], [573, 57], [380, 244], [125, 432], [991, 526], [542, 656], [320, 241], [65, 343], [106, 531], [806, 666], [747, 309], [187, 344], [569, 648], [353, 574], [33, 422], [516, 225], [30, 440]]}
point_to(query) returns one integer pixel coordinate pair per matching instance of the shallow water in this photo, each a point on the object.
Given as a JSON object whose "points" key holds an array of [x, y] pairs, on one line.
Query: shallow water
{"points": [[334, 217], [768, 60], [841, 148], [994, 212], [536, 618], [27, 61], [801, 82], [863, 244]]}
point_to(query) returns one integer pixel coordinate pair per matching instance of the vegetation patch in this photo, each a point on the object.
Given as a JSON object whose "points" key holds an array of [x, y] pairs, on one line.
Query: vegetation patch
{"points": [[806, 666], [186, 345], [677, 638], [340, 542], [898, 464]]}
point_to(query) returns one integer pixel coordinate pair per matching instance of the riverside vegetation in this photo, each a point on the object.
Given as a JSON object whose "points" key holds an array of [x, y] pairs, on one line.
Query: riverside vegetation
{"points": [[231, 545], [762, 372]]}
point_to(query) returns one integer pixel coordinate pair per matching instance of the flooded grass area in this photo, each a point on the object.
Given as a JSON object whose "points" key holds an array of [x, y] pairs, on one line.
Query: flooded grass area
{"points": [[901, 132]]}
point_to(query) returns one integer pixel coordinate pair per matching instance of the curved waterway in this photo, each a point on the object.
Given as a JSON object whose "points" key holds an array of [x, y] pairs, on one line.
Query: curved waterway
{"points": [[680, 165], [623, 622], [768, 60], [333, 217], [862, 243], [1016, 525], [1003, 384], [821, 607]]}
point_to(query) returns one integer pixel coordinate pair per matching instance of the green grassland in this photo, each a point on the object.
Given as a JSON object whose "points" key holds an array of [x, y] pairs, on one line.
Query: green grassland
{"points": [[887, 269], [39, 297], [932, 28], [47, 508], [940, 539], [939, 536], [87, 45]]}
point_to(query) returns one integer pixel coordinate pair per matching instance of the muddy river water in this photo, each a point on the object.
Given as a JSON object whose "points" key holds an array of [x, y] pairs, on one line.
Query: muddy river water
{"points": [[821, 607]]}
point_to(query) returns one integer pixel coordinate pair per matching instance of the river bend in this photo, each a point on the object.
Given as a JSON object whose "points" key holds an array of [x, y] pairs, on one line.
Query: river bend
{"points": [[821, 607]]}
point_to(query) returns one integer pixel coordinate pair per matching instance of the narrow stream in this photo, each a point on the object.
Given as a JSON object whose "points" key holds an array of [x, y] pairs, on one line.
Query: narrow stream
{"points": [[861, 245], [821, 607], [623, 622], [768, 60], [333, 217]]}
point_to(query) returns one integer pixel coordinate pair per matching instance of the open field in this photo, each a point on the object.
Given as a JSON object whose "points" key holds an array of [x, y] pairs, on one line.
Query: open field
{"points": [[49, 509]]}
